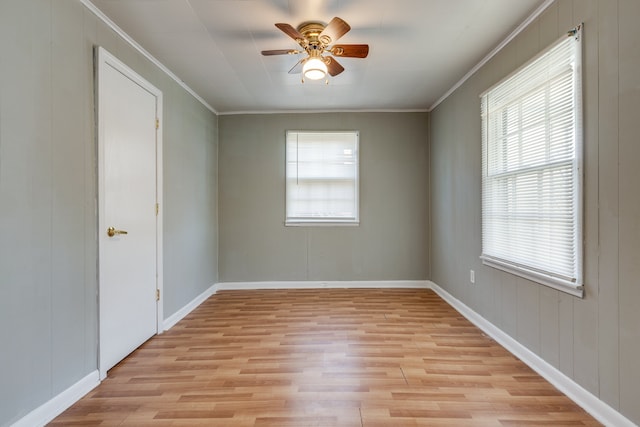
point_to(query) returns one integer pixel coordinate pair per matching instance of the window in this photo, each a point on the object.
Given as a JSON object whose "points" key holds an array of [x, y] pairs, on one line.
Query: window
{"points": [[532, 169], [321, 178]]}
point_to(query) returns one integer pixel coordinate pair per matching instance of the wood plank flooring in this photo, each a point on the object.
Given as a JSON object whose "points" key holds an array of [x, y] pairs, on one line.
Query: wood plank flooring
{"points": [[324, 357]]}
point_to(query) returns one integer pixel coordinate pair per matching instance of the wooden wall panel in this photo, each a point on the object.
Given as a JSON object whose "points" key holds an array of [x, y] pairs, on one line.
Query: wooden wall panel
{"points": [[586, 310], [550, 326], [629, 207], [608, 199], [68, 181], [25, 203]]}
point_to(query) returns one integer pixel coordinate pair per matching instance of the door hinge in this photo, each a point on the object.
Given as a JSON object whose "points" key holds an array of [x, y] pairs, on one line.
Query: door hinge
{"points": [[157, 123], [157, 294], [157, 209]]}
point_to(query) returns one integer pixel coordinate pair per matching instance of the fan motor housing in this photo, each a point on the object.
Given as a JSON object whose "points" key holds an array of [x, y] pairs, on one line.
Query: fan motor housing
{"points": [[311, 31]]}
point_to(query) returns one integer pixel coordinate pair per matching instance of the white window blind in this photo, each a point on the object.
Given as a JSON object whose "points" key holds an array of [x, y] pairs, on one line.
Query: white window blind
{"points": [[532, 169], [321, 178]]}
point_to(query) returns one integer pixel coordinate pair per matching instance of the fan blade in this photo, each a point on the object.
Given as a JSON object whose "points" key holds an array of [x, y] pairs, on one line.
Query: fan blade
{"points": [[351, 50], [297, 69], [280, 52], [290, 31], [333, 67], [333, 31]]}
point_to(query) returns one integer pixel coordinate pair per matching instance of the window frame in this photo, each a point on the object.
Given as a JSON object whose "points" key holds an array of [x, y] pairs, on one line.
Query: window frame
{"points": [[302, 221], [574, 284]]}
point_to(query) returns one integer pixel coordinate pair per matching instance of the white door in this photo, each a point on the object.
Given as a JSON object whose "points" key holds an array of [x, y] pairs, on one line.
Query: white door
{"points": [[128, 222]]}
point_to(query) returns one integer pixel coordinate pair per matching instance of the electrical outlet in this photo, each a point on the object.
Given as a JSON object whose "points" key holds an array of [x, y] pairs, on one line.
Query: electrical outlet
{"points": [[472, 276]]}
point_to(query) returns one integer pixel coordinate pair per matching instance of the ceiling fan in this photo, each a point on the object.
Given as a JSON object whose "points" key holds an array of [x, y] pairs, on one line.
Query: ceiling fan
{"points": [[318, 42]]}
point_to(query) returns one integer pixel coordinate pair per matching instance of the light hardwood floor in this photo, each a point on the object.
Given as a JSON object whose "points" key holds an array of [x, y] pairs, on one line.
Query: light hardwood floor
{"points": [[326, 357]]}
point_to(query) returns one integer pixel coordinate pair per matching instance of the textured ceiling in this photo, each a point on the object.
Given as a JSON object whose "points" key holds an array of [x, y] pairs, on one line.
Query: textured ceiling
{"points": [[419, 49]]}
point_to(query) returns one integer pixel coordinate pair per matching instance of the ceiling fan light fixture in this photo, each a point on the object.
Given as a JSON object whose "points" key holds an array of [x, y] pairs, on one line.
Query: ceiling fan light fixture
{"points": [[314, 69], [317, 40]]}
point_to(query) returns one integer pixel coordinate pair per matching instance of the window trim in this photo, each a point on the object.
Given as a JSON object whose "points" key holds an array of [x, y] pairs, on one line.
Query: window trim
{"points": [[573, 286], [325, 222]]}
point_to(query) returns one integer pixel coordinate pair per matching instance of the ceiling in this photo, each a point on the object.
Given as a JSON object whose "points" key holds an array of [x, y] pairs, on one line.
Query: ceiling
{"points": [[419, 49]]}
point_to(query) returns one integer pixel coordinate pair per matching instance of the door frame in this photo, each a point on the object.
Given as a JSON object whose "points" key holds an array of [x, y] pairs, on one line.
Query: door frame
{"points": [[105, 59]]}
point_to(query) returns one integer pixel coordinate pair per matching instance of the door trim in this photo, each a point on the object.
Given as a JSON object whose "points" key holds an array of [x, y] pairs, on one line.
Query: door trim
{"points": [[105, 59]]}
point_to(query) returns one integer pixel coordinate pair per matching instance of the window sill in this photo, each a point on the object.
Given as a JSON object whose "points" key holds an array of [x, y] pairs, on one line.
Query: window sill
{"points": [[543, 279], [316, 223]]}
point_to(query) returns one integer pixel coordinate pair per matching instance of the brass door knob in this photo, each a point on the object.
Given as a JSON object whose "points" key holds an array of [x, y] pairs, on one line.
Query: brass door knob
{"points": [[111, 231]]}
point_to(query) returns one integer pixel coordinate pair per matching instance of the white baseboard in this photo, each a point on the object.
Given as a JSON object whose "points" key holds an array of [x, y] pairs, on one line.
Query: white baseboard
{"points": [[423, 284], [54, 407], [589, 402], [170, 321]]}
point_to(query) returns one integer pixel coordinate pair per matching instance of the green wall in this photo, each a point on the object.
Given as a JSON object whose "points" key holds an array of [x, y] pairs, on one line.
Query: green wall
{"points": [[391, 242], [595, 340], [48, 181]]}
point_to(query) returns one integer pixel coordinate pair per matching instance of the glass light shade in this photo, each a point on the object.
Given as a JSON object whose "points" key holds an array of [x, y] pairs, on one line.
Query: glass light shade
{"points": [[314, 69]]}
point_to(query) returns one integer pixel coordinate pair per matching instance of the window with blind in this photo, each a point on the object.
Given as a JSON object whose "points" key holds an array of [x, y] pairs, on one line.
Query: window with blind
{"points": [[321, 178], [532, 169]]}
